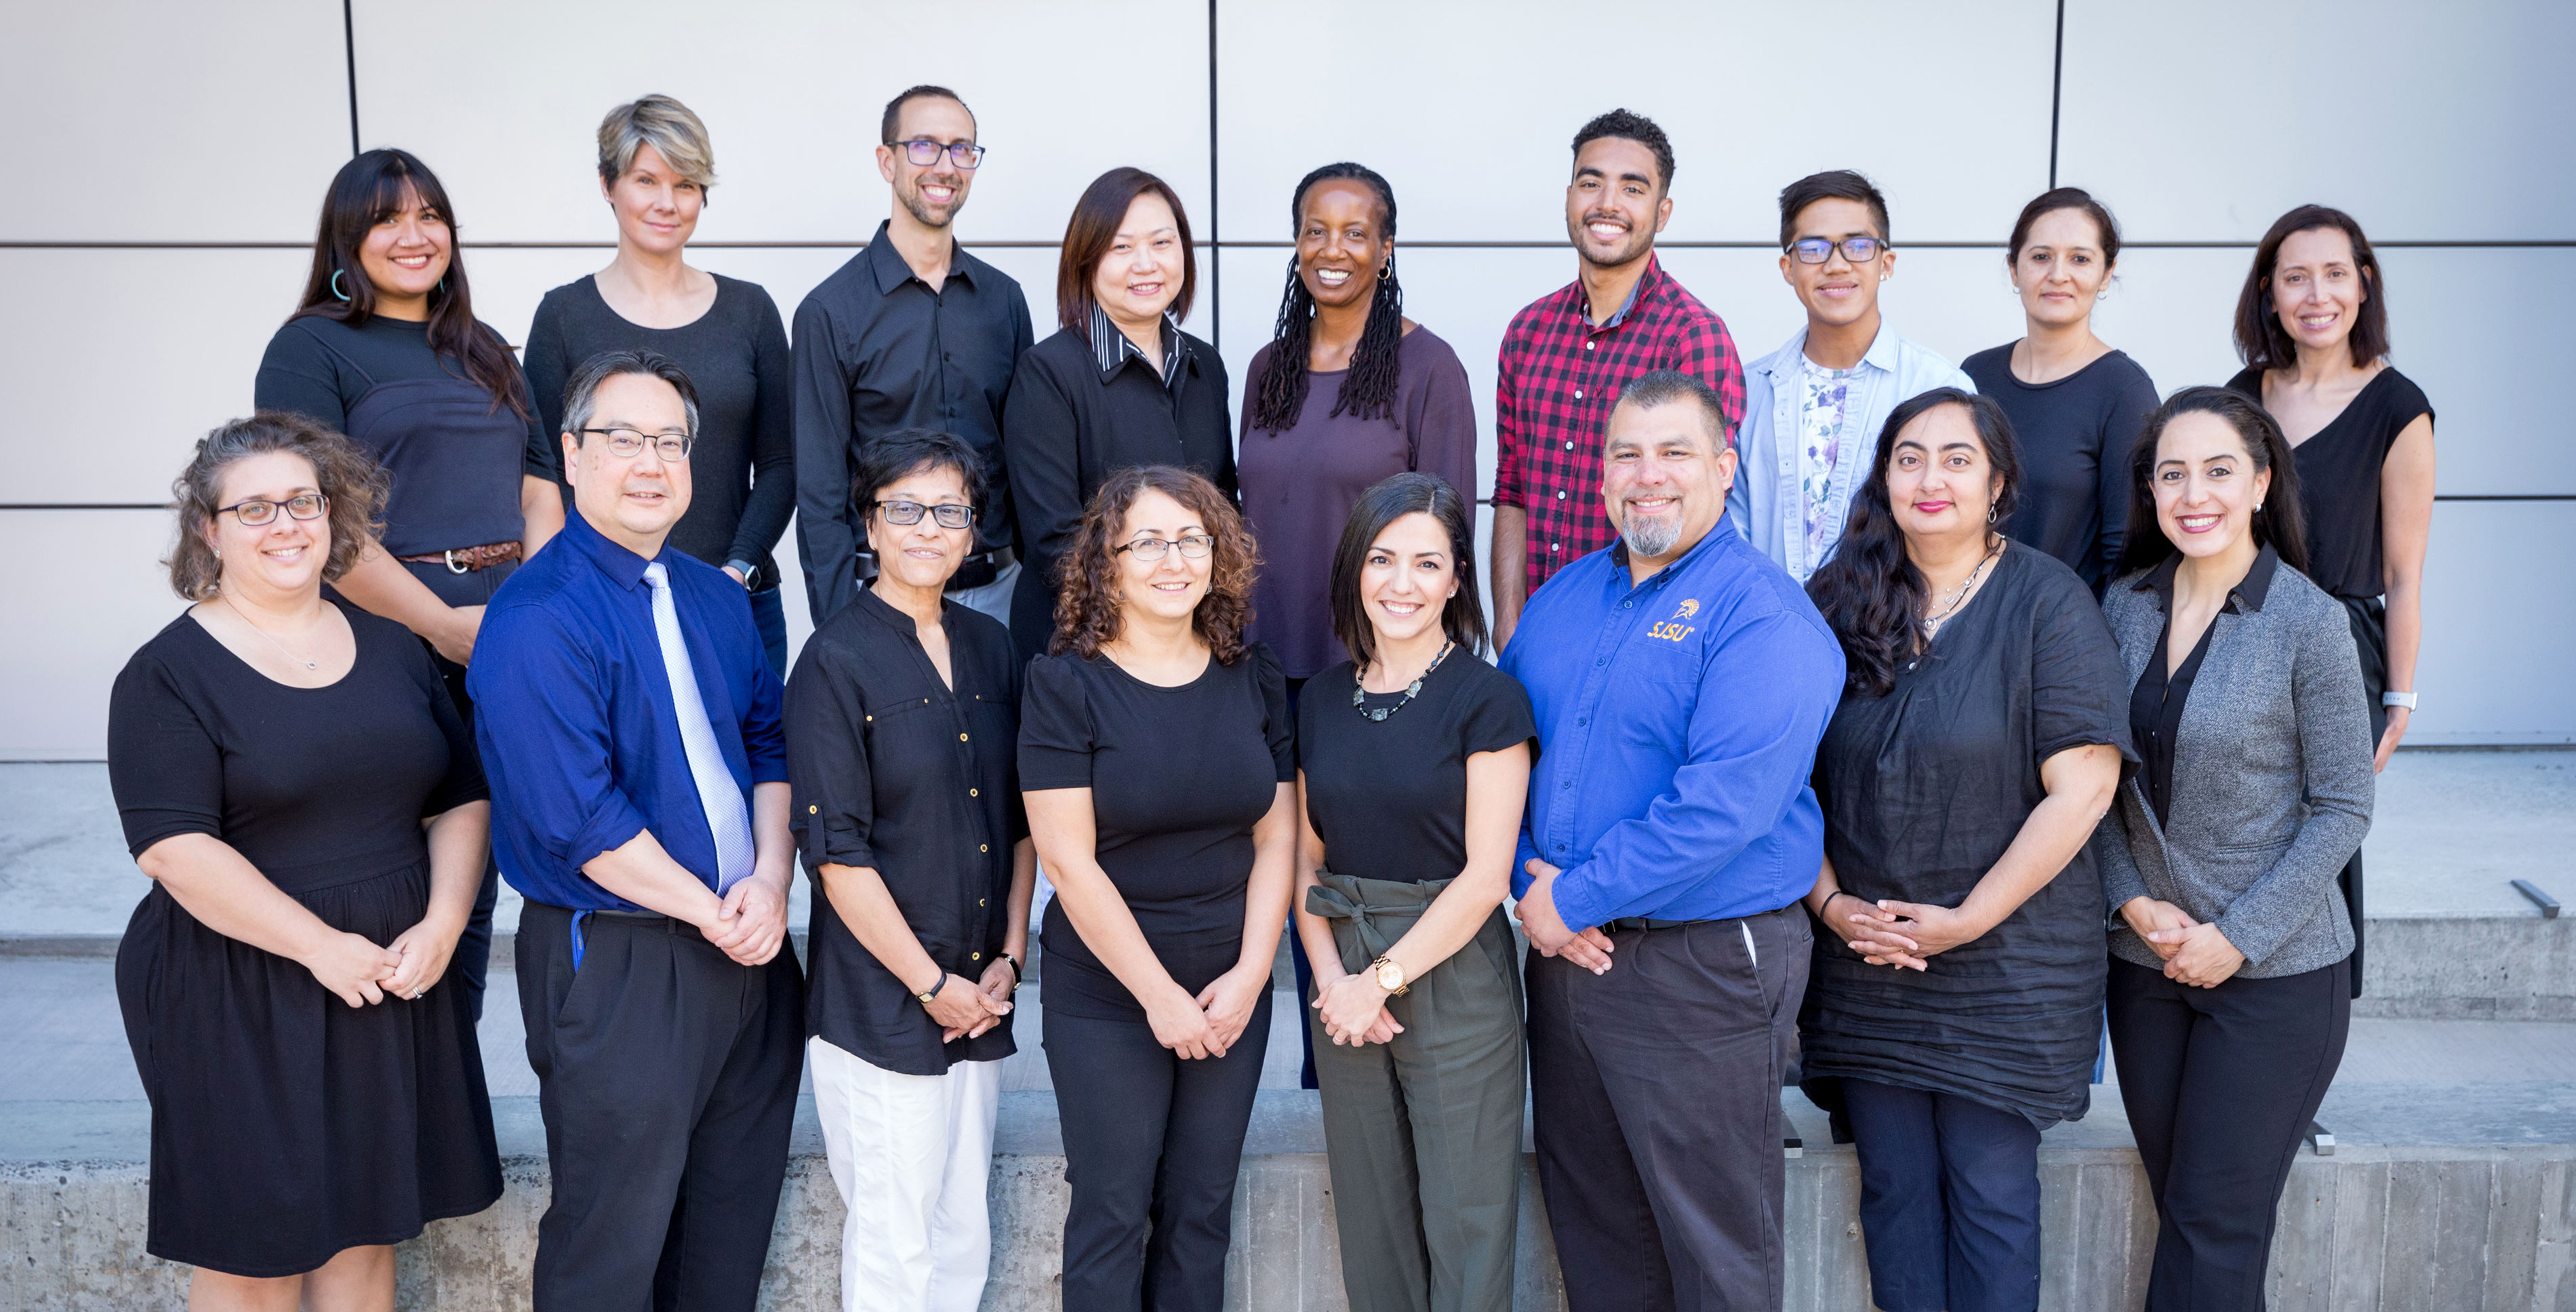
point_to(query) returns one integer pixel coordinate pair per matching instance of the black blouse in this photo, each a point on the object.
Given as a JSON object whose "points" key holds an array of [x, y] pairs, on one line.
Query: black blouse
{"points": [[897, 772], [2075, 436], [1923, 790], [1070, 422], [2339, 467], [1178, 777], [1389, 797], [2155, 705]]}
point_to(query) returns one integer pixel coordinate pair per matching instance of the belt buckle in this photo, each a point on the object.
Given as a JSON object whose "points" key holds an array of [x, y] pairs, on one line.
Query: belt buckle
{"points": [[452, 566]]}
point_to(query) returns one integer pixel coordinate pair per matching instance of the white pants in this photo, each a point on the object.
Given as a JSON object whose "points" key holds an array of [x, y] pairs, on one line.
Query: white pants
{"points": [[910, 1154]]}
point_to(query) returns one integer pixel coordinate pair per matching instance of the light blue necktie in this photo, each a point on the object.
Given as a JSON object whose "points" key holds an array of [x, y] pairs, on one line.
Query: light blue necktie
{"points": [[717, 792]]}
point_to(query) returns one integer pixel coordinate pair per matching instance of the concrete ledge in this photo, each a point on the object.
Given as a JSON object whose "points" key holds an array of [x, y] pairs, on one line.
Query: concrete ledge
{"points": [[2369, 1228], [2470, 968]]}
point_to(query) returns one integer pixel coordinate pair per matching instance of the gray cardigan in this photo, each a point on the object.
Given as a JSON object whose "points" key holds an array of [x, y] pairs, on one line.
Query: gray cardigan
{"points": [[2271, 778]]}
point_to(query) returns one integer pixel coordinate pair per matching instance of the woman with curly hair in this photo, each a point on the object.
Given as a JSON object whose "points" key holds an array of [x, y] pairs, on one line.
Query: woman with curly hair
{"points": [[295, 780], [1157, 761]]}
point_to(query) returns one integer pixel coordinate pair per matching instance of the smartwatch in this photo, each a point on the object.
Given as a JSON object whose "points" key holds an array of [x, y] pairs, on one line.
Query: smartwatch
{"points": [[2405, 699]]}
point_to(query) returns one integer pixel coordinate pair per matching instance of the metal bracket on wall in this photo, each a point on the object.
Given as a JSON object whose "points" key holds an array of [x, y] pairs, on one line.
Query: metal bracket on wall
{"points": [[2321, 1139], [1793, 1146], [2548, 905]]}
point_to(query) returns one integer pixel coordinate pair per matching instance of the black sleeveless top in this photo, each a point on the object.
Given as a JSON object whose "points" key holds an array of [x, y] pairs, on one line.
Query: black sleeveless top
{"points": [[2339, 478]]}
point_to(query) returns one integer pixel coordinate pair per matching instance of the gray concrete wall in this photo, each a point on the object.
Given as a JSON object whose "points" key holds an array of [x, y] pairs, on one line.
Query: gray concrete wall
{"points": [[2457, 968], [2404, 1230]]}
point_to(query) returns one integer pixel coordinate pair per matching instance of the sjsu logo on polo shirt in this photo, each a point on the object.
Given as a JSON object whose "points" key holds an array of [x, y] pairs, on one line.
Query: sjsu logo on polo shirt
{"points": [[1673, 630]]}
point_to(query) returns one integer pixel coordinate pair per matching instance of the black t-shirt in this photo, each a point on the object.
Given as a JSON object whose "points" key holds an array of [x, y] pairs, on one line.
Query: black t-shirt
{"points": [[2339, 469], [314, 786], [1923, 790], [2075, 436], [1389, 797], [744, 463], [900, 773], [1178, 777]]}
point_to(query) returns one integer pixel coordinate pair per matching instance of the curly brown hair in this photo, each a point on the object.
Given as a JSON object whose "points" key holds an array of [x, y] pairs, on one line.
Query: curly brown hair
{"points": [[342, 471], [1087, 615]]}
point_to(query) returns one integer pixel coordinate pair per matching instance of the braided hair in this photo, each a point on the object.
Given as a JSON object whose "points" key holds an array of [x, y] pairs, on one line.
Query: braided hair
{"points": [[1368, 390]]}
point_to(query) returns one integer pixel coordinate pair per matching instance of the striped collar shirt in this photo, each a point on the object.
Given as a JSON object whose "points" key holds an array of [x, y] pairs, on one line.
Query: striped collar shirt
{"points": [[1111, 349]]}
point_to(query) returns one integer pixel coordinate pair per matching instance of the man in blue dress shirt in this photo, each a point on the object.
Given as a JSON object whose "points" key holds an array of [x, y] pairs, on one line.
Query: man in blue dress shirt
{"points": [[1682, 682], [630, 727]]}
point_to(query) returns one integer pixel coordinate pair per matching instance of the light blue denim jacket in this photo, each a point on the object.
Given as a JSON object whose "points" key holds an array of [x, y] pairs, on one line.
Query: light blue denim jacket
{"points": [[1766, 503]]}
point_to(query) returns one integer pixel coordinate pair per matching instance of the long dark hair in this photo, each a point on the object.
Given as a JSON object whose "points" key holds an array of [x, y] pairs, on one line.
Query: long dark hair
{"points": [[1870, 592], [1368, 389], [367, 191], [2281, 523], [1093, 229], [1462, 617], [2261, 341]]}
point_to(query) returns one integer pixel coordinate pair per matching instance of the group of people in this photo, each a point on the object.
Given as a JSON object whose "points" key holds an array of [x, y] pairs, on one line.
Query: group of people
{"points": [[1842, 732]]}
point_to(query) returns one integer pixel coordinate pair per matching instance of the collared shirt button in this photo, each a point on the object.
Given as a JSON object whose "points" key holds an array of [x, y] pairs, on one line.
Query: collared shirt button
{"points": [[1589, 345], [1569, 446], [1560, 496], [974, 792], [974, 956], [811, 809], [1578, 394], [979, 901], [1554, 545], [961, 737], [983, 847]]}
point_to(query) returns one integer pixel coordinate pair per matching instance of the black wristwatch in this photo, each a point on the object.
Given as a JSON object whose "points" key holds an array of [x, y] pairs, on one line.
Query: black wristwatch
{"points": [[931, 994], [1015, 969]]}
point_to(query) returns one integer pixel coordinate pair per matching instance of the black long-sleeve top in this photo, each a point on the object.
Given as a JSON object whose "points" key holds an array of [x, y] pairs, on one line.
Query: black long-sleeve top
{"points": [[876, 351], [898, 772], [744, 464], [2075, 436], [1073, 420]]}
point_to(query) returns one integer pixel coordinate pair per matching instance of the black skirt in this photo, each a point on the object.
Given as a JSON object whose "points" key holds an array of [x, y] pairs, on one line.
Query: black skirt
{"points": [[286, 1124]]}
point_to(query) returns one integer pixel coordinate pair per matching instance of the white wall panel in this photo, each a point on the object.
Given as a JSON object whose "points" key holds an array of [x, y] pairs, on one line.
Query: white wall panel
{"points": [[100, 594], [504, 101], [119, 360], [2499, 621], [1468, 108], [2204, 120], [141, 121]]}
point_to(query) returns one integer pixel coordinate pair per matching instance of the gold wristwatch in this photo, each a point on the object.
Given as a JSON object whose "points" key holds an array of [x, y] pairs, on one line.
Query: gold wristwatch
{"points": [[931, 994], [1390, 975]]}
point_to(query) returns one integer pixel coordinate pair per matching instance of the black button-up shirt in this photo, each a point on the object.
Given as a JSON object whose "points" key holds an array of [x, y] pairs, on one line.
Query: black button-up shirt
{"points": [[878, 351], [2155, 705], [899, 773]]}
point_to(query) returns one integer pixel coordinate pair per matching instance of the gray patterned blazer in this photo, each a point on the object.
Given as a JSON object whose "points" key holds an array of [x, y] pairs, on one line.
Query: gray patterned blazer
{"points": [[2271, 777]]}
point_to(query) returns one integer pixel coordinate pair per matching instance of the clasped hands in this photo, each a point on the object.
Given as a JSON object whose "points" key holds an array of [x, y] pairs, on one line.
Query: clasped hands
{"points": [[1905, 935], [751, 921], [362, 973], [1587, 947], [967, 1010], [1208, 1024], [2194, 953]]}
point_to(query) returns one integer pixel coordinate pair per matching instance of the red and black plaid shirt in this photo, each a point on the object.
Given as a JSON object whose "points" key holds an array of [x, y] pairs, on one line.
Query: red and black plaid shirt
{"points": [[1561, 374]]}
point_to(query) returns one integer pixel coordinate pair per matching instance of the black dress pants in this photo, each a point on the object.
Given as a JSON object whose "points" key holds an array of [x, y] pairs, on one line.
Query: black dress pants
{"points": [[1656, 1090], [1152, 1144], [2220, 1085], [667, 1076]]}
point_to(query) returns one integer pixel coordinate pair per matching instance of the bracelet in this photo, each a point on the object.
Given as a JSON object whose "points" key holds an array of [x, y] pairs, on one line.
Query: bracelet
{"points": [[2405, 699], [1015, 969]]}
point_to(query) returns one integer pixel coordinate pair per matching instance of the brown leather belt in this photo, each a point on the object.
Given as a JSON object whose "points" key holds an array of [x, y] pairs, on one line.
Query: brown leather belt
{"points": [[466, 560]]}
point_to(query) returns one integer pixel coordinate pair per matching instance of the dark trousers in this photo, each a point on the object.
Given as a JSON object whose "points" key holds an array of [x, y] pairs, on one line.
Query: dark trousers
{"points": [[1949, 1200], [1656, 1090], [2220, 1085], [667, 1076], [1152, 1144]]}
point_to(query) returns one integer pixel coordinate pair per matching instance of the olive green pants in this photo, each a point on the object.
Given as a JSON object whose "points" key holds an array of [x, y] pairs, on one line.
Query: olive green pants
{"points": [[1424, 1133]]}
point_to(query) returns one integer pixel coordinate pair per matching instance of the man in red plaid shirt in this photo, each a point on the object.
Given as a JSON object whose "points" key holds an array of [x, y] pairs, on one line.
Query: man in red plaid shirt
{"points": [[1569, 354]]}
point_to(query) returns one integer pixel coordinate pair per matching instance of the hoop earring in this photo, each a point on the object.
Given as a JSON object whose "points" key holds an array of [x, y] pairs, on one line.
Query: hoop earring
{"points": [[1990, 512], [335, 284], [1386, 271]]}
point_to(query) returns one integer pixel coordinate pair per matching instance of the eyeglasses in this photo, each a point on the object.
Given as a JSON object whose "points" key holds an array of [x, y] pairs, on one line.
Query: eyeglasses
{"points": [[1817, 250], [966, 154], [254, 512], [626, 442], [910, 512], [1193, 547]]}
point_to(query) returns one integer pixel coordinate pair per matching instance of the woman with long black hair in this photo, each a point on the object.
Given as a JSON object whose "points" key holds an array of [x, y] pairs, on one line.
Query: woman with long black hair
{"points": [[1955, 996], [384, 347]]}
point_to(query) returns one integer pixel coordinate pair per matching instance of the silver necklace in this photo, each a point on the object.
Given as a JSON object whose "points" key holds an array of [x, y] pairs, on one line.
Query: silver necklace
{"points": [[272, 638], [1959, 595], [1359, 691]]}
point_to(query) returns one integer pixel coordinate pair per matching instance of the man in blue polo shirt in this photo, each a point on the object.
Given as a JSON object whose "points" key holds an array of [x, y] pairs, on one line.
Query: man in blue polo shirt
{"points": [[630, 728], [1682, 682]]}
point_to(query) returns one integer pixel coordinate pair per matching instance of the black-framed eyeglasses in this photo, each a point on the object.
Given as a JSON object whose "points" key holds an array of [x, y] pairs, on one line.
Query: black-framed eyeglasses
{"points": [[255, 512], [910, 512], [627, 442], [1194, 547], [924, 152], [1817, 250]]}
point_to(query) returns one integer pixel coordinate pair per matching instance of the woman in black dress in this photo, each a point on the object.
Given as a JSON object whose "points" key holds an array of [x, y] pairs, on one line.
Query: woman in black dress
{"points": [[2075, 403], [386, 349], [655, 166], [1157, 760], [292, 776], [1955, 1001], [1414, 764], [2312, 328]]}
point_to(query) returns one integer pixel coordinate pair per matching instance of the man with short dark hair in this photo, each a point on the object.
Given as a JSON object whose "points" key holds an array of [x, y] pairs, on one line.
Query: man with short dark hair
{"points": [[1813, 408], [1681, 683], [1568, 354], [913, 332], [630, 729]]}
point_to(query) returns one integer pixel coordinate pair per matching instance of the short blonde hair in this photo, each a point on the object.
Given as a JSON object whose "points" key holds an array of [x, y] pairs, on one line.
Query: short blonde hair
{"points": [[664, 124]]}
